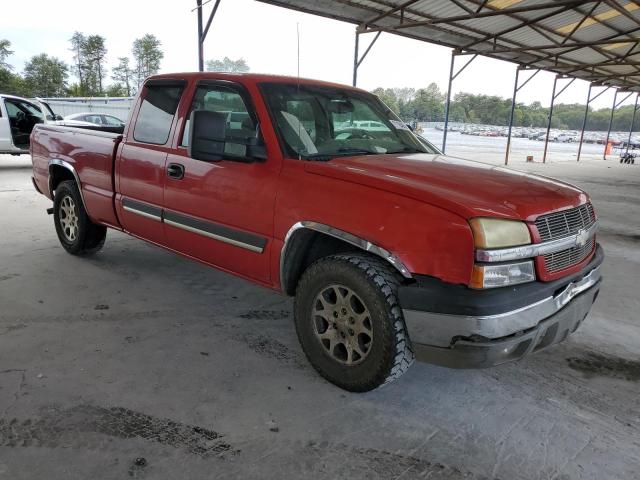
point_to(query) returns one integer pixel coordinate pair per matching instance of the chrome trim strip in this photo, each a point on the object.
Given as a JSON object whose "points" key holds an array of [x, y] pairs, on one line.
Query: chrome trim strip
{"points": [[230, 241], [68, 166], [439, 328], [537, 249], [141, 213], [341, 235]]}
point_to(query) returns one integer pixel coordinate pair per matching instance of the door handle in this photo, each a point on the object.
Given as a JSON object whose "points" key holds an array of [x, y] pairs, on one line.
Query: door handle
{"points": [[175, 170]]}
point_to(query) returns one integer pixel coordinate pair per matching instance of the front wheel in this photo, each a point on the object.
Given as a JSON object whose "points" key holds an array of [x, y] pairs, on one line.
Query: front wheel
{"points": [[349, 322], [76, 232]]}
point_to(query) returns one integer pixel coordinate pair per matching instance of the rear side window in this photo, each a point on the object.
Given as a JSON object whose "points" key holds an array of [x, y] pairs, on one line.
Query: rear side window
{"points": [[156, 113]]}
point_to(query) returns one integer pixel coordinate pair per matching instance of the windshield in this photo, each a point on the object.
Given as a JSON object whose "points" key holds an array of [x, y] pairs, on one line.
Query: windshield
{"points": [[318, 122]]}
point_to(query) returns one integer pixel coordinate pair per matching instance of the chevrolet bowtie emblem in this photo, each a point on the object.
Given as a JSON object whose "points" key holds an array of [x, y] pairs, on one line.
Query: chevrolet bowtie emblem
{"points": [[582, 237]]}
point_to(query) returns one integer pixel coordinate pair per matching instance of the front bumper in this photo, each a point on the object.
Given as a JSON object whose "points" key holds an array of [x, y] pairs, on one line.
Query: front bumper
{"points": [[457, 327]]}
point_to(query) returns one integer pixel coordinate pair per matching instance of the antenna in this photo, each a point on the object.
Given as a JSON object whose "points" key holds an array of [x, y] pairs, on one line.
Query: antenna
{"points": [[299, 121], [298, 37]]}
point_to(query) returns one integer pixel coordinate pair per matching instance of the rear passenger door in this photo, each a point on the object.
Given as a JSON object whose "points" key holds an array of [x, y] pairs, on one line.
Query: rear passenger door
{"points": [[140, 169]]}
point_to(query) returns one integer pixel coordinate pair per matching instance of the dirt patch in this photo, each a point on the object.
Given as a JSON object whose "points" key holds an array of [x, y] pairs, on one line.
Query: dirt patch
{"points": [[266, 314], [595, 364], [66, 428], [11, 328], [382, 464], [8, 276], [272, 348]]}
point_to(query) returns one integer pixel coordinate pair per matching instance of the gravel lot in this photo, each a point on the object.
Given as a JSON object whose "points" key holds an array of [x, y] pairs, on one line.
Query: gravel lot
{"points": [[137, 363]]}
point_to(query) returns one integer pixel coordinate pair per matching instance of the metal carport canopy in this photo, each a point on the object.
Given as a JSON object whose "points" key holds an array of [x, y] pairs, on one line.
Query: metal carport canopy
{"points": [[595, 41]]}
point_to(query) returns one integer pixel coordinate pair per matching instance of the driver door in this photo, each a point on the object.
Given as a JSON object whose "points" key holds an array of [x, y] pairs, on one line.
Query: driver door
{"points": [[221, 212]]}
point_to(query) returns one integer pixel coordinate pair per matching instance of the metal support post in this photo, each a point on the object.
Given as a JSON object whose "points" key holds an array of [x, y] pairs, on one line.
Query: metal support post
{"points": [[584, 121], [202, 33], [554, 95], [452, 77], [586, 113], [357, 61], [200, 43], [613, 109], [513, 108], [546, 138], [516, 89], [355, 58], [633, 121]]}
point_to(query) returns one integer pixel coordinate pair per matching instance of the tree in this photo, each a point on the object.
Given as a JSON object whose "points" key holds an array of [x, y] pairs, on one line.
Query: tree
{"points": [[9, 81], [123, 76], [45, 76], [388, 97], [147, 56], [227, 65], [94, 53], [78, 41], [5, 52]]}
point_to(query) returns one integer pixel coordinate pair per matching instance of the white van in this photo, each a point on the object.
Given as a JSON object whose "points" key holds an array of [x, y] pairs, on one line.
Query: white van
{"points": [[17, 118]]}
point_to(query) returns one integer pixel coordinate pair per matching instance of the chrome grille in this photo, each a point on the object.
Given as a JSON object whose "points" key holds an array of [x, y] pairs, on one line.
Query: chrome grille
{"points": [[554, 262], [565, 223]]}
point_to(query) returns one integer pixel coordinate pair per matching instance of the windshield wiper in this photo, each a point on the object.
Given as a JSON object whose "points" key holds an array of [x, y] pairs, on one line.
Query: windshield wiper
{"points": [[341, 152], [408, 150]]}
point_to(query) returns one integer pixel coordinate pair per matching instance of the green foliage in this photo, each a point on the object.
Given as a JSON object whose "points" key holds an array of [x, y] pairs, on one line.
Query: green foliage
{"points": [[89, 57], [389, 98], [5, 52], [45, 76], [428, 104], [147, 56], [227, 65], [123, 76]]}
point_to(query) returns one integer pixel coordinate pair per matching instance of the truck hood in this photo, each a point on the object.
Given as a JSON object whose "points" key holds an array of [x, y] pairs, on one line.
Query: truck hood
{"points": [[467, 188]]}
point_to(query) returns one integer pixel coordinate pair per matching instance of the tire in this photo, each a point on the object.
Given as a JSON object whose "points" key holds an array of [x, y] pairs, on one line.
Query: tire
{"points": [[377, 350], [76, 232]]}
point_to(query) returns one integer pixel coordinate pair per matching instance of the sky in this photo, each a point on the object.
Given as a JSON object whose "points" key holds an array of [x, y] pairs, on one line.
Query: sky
{"points": [[265, 36]]}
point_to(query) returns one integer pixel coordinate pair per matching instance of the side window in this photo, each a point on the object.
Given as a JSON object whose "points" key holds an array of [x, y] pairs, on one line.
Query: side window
{"points": [[156, 113], [228, 101], [109, 120]]}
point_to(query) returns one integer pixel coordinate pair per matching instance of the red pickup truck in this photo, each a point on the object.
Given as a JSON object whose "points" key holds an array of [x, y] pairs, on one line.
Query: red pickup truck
{"points": [[319, 191]]}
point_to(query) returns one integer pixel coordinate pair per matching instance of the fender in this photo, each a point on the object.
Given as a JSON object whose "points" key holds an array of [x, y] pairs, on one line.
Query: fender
{"points": [[359, 242], [68, 166]]}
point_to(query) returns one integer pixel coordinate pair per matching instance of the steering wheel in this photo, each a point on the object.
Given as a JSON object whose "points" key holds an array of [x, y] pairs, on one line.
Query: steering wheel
{"points": [[358, 134]]}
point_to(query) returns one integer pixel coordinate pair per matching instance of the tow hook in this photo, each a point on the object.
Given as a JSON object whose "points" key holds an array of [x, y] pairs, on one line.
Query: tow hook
{"points": [[50, 211]]}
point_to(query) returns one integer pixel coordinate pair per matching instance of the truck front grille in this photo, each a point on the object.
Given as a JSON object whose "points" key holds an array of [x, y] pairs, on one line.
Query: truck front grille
{"points": [[565, 223], [554, 262]]}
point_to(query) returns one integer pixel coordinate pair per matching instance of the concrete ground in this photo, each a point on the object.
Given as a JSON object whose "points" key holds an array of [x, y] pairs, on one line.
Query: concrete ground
{"points": [[137, 363]]}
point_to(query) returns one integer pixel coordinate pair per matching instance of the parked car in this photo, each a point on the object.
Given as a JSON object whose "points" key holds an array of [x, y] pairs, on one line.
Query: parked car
{"points": [[96, 119], [18, 116], [390, 249]]}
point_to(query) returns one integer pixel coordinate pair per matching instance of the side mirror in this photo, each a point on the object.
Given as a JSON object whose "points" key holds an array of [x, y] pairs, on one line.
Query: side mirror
{"points": [[207, 135], [59, 117]]}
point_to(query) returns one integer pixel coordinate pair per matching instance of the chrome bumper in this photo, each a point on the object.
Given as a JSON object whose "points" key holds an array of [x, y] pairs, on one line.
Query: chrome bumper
{"points": [[439, 329], [468, 341]]}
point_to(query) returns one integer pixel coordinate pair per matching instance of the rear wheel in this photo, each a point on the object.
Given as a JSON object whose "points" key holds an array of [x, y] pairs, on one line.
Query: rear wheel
{"points": [[349, 322], [76, 232]]}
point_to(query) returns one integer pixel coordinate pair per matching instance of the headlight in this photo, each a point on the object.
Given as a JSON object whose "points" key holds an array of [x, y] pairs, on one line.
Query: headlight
{"points": [[498, 233], [502, 275]]}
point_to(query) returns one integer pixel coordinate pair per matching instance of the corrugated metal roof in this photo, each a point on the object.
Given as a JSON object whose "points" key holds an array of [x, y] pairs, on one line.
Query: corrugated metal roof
{"points": [[592, 40]]}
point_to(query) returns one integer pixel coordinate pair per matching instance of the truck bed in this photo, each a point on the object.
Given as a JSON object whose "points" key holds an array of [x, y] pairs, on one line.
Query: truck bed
{"points": [[89, 154]]}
